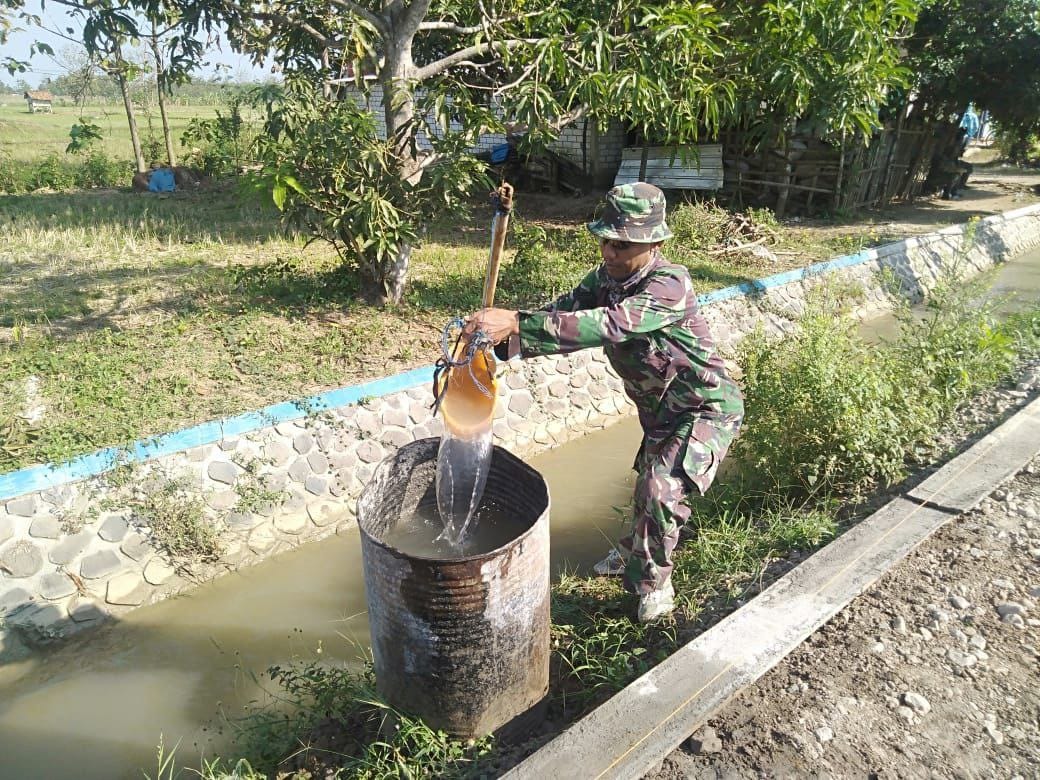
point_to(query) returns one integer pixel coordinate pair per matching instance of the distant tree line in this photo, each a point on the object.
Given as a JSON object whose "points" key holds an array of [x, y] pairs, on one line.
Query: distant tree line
{"points": [[19, 86], [102, 88]]}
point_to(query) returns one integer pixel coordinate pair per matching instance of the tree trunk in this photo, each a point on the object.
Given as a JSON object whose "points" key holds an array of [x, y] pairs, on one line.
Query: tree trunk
{"points": [[160, 83], [398, 111], [397, 277], [124, 88]]}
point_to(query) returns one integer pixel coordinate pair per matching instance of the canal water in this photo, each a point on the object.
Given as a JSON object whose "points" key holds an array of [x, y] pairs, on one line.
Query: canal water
{"points": [[96, 708]]}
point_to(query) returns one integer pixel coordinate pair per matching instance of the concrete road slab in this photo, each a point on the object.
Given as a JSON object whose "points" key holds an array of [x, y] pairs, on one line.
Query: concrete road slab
{"points": [[963, 482]]}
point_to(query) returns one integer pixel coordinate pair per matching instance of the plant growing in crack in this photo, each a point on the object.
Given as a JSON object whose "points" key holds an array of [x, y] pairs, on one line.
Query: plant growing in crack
{"points": [[174, 513], [170, 509], [314, 412], [254, 491]]}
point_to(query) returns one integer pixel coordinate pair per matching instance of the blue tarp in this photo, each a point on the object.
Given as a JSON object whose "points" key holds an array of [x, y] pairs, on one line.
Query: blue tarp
{"points": [[161, 180], [499, 154]]}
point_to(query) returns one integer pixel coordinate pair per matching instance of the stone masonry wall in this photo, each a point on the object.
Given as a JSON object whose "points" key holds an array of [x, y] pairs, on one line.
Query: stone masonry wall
{"points": [[914, 265], [75, 554]]}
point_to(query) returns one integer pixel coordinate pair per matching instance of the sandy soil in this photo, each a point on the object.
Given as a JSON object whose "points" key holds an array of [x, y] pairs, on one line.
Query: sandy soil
{"points": [[934, 672], [992, 188]]}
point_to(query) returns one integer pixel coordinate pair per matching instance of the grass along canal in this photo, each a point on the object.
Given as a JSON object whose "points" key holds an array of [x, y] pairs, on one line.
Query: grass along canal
{"points": [[97, 707]]}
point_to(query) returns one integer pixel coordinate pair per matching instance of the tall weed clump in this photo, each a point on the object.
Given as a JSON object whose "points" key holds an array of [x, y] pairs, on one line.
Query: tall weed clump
{"points": [[829, 414], [825, 413], [63, 172], [547, 264], [97, 169], [960, 346]]}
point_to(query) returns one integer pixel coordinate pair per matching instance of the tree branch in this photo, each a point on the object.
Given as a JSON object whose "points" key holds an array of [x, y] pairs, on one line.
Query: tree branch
{"points": [[373, 19], [527, 72], [450, 27], [443, 64], [320, 37], [557, 124]]}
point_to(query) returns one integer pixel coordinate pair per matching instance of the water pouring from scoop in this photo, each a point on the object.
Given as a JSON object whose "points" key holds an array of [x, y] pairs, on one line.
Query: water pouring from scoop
{"points": [[465, 392]]}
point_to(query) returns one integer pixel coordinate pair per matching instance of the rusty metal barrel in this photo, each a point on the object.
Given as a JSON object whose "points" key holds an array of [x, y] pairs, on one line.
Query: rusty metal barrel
{"points": [[462, 643]]}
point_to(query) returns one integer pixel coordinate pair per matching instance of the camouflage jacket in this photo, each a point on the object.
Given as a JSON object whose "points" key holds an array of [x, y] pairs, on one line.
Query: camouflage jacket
{"points": [[654, 336]]}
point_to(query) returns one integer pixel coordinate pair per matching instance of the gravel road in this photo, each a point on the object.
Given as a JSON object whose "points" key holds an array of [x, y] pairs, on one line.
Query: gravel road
{"points": [[933, 672]]}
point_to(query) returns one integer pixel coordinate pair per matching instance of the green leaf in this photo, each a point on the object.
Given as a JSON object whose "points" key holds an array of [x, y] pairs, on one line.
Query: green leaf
{"points": [[278, 195], [290, 181]]}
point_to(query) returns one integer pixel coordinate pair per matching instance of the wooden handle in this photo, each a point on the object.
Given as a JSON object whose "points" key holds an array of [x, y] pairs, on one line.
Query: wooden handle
{"points": [[499, 226]]}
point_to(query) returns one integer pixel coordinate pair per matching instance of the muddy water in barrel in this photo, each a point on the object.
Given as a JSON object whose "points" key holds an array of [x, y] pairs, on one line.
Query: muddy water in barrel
{"points": [[421, 535]]}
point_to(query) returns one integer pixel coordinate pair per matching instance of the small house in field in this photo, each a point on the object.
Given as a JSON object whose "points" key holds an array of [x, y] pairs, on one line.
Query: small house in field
{"points": [[39, 101]]}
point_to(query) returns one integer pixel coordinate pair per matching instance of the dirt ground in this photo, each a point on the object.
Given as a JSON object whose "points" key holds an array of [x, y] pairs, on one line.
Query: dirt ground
{"points": [[992, 188], [934, 672]]}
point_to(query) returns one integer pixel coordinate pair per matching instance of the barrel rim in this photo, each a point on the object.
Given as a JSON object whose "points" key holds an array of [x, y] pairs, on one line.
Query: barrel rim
{"points": [[496, 449]]}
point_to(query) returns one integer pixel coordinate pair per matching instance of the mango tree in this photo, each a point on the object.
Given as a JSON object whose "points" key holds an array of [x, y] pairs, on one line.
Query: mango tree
{"points": [[383, 100], [440, 73]]}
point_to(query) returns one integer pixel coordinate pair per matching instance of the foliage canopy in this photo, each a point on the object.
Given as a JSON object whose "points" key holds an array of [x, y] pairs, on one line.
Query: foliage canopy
{"points": [[986, 51], [441, 72]]}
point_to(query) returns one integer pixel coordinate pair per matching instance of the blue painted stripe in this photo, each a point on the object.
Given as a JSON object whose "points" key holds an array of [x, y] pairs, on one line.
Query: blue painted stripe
{"points": [[35, 478]]}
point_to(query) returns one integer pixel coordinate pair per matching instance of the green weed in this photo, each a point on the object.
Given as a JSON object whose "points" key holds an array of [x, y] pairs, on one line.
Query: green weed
{"points": [[734, 534], [254, 494], [174, 512], [330, 719], [829, 414], [597, 648], [170, 507]]}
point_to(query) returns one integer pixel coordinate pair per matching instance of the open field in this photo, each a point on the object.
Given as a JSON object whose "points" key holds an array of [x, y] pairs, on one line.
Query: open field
{"points": [[26, 137], [127, 315]]}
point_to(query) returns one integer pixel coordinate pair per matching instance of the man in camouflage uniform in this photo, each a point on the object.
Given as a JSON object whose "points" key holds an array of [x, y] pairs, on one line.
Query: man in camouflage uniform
{"points": [[643, 311]]}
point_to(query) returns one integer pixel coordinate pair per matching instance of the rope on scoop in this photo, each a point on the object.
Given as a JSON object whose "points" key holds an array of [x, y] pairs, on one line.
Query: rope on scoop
{"points": [[446, 362]]}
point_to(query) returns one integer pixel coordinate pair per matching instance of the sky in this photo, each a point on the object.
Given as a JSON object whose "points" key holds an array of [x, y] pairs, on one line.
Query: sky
{"points": [[42, 66]]}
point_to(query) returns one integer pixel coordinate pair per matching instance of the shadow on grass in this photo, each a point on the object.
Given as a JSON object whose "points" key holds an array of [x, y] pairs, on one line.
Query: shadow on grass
{"points": [[706, 278], [77, 302]]}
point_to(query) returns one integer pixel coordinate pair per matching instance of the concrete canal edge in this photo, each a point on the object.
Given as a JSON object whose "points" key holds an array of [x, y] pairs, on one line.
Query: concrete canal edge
{"points": [[631, 733], [75, 551]]}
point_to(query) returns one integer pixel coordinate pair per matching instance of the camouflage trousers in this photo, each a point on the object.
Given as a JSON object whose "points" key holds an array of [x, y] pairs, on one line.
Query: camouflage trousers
{"points": [[670, 471]]}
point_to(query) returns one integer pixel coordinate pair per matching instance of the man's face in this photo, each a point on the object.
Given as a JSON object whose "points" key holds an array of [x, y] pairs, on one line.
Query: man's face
{"points": [[624, 258]]}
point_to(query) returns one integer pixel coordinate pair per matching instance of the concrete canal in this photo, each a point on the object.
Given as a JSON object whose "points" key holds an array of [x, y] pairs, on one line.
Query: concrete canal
{"points": [[96, 707]]}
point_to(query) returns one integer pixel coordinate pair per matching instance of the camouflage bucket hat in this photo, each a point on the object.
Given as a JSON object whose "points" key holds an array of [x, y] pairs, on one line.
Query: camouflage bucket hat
{"points": [[634, 212]]}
